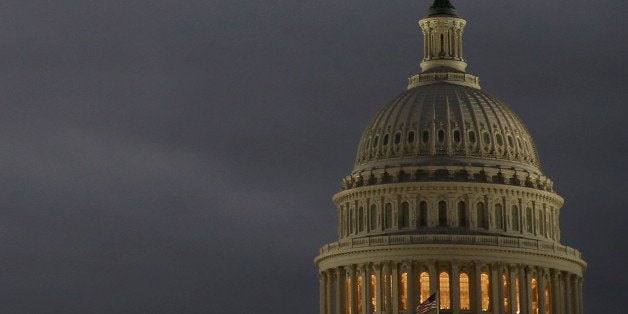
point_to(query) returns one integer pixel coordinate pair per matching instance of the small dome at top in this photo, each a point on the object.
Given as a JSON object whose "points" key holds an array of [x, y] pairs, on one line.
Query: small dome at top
{"points": [[442, 7], [445, 124]]}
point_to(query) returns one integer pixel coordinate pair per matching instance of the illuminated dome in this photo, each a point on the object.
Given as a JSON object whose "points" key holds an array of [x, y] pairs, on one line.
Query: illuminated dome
{"points": [[447, 202], [446, 124]]}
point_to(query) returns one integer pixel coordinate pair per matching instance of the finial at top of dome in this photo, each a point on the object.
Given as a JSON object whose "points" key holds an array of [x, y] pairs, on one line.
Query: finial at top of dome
{"points": [[442, 7]]}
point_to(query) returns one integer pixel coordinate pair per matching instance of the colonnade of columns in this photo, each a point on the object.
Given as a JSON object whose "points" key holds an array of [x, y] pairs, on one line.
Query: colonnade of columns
{"points": [[393, 287]]}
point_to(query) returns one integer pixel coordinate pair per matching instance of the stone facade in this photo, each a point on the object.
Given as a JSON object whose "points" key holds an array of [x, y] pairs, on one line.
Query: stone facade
{"points": [[447, 198]]}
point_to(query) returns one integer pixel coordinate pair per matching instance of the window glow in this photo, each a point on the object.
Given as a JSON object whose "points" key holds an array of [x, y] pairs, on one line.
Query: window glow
{"points": [[535, 296], [348, 296], [465, 299], [445, 300], [517, 291], [373, 293], [548, 304], [506, 292], [359, 294], [424, 281], [484, 286], [404, 291]]}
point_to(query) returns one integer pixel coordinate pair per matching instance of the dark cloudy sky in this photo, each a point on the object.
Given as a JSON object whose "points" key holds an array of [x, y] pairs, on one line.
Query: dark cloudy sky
{"points": [[180, 156]]}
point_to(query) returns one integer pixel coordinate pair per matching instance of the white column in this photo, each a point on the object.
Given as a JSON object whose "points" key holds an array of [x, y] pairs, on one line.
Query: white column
{"points": [[569, 293], [329, 292], [412, 280], [512, 281], [580, 297], [386, 287], [340, 288], [351, 274], [555, 294], [322, 281], [366, 289], [395, 288], [378, 287], [497, 290], [455, 288], [541, 284], [476, 285], [524, 286]]}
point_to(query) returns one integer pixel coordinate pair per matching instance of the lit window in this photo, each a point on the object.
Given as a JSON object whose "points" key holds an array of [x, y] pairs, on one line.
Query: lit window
{"points": [[484, 286], [465, 299], [359, 294], [404, 291], [373, 293], [506, 292], [424, 281], [517, 294], [445, 301], [442, 214], [535, 296], [348, 296], [548, 304]]}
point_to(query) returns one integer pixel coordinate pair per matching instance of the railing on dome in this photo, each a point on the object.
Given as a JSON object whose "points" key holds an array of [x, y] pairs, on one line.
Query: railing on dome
{"points": [[450, 239]]}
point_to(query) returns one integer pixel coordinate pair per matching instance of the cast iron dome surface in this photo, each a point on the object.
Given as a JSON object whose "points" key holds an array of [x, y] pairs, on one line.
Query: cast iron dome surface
{"points": [[446, 124]]}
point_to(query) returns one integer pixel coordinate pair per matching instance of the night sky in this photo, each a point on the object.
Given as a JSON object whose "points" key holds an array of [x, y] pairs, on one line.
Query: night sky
{"points": [[180, 156]]}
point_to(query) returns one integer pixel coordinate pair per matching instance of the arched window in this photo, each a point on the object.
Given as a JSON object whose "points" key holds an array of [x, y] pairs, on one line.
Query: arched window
{"points": [[442, 214], [485, 290], [542, 222], [423, 214], [441, 136], [499, 216], [482, 216], [465, 299], [425, 137], [388, 215], [403, 292], [424, 282], [359, 288], [548, 303], [457, 136], [471, 137], [535, 295], [443, 290], [385, 141], [361, 219], [515, 218], [506, 292], [462, 215], [404, 218], [373, 217], [373, 293], [411, 137], [397, 138], [529, 219]]}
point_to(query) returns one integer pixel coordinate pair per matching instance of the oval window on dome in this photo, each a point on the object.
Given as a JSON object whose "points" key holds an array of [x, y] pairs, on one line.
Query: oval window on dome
{"points": [[457, 136], [519, 142], [426, 136], [472, 137], [499, 139], [411, 137], [441, 136], [375, 141], [486, 138], [397, 137], [385, 140], [510, 142]]}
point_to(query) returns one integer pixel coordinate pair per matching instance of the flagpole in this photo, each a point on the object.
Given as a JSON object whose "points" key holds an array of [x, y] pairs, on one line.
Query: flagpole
{"points": [[437, 303]]}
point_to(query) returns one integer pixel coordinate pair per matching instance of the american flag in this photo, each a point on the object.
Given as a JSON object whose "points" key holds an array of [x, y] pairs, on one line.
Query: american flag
{"points": [[427, 306]]}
